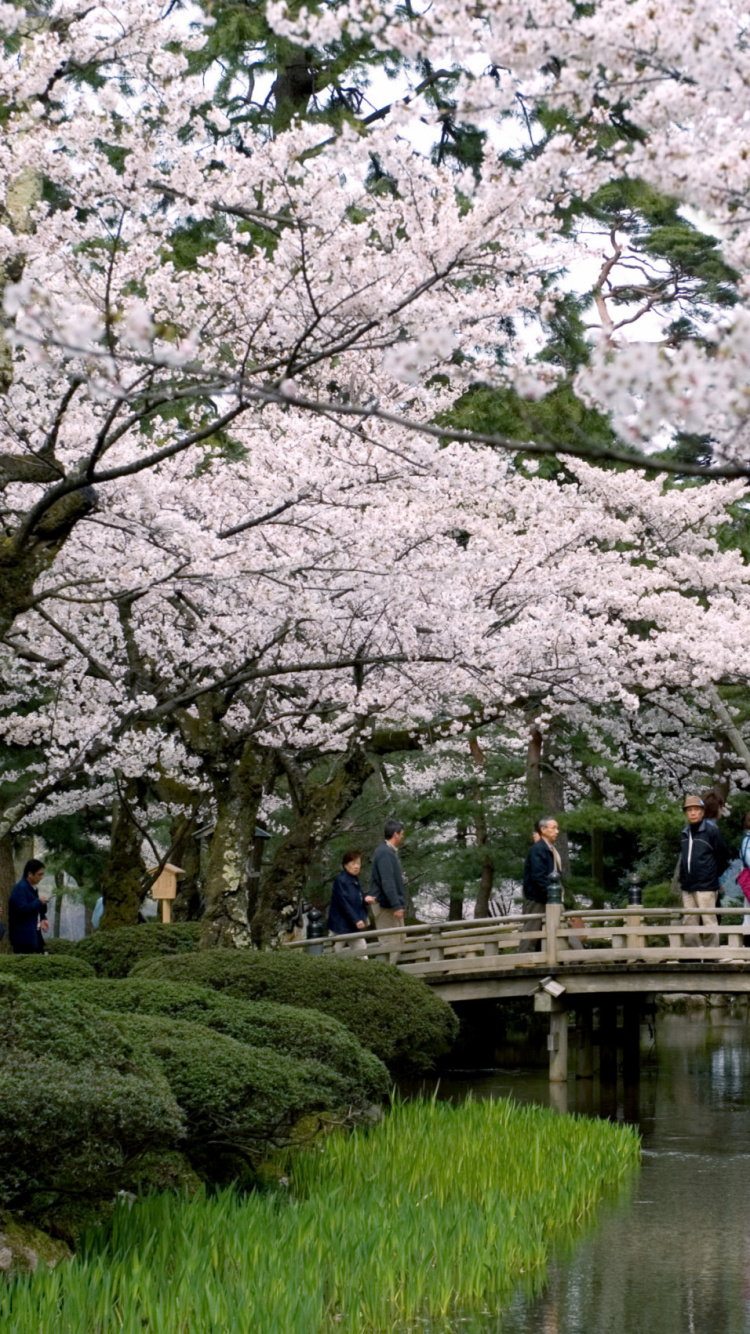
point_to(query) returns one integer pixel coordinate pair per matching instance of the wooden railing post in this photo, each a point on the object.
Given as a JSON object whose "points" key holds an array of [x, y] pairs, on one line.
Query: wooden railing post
{"points": [[552, 915]]}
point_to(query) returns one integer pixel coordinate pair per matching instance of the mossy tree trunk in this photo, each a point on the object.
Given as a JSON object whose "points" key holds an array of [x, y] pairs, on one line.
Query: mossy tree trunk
{"points": [[317, 809], [238, 790], [7, 880], [124, 880], [544, 784], [186, 852]]}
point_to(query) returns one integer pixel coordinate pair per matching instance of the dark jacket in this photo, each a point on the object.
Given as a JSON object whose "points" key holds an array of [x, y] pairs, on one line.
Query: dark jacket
{"points": [[387, 878], [704, 856], [25, 908], [347, 904], [539, 863]]}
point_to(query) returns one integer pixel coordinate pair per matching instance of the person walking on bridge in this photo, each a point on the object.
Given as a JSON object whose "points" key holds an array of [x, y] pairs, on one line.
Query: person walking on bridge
{"points": [[704, 856], [542, 860], [388, 887]]}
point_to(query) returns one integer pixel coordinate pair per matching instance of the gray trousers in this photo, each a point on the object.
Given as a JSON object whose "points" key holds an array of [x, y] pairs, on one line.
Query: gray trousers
{"points": [[530, 909]]}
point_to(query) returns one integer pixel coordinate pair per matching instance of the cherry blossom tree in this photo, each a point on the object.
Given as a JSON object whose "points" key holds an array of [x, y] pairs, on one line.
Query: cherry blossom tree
{"points": [[244, 543]]}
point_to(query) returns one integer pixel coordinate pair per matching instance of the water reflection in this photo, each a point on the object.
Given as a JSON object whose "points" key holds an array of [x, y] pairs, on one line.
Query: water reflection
{"points": [[674, 1258]]}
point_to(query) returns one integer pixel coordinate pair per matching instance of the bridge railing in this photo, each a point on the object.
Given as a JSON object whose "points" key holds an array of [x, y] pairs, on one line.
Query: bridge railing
{"points": [[553, 939]]}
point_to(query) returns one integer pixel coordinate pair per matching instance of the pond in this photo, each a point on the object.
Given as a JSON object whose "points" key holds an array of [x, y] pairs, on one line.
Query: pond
{"points": [[675, 1258]]}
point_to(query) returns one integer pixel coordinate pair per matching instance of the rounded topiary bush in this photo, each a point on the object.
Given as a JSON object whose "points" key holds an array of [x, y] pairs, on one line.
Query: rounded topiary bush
{"points": [[397, 1016], [237, 1100], [80, 1103], [44, 967], [304, 1034], [59, 945], [114, 953]]}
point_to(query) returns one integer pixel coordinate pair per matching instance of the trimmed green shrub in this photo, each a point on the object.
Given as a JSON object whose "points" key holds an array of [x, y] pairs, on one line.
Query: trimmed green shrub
{"points": [[59, 945], [44, 967], [79, 1103], [305, 1034], [114, 953], [237, 1100], [397, 1016]]}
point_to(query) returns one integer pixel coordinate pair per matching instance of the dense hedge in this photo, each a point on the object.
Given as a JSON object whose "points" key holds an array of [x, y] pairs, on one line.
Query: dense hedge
{"points": [[79, 1102], [114, 953], [397, 1016], [93, 1101], [59, 945], [237, 1100], [304, 1034], [39, 967]]}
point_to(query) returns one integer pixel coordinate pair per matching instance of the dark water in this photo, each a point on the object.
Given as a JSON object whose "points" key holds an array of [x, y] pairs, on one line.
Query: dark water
{"points": [[674, 1258]]}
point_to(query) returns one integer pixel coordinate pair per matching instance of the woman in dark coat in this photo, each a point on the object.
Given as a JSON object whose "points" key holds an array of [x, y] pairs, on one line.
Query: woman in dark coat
{"points": [[27, 912], [348, 908]]}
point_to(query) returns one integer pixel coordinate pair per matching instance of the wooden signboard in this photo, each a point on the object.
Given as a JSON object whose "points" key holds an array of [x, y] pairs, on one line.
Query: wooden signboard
{"points": [[164, 888]]}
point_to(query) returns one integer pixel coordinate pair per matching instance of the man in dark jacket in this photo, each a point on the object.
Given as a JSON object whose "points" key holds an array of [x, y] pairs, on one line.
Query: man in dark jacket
{"points": [[704, 856], [348, 907], [27, 912], [387, 885], [541, 861]]}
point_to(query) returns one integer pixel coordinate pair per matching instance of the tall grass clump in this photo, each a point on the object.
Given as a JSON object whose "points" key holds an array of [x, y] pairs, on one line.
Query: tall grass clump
{"points": [[431, 1215]]}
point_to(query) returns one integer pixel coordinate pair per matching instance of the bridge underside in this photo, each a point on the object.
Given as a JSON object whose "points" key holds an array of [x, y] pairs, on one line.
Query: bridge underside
{"points": [[613, 979]]}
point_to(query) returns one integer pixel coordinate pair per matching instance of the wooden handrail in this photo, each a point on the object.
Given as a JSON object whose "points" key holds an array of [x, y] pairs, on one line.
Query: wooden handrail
{"points": [[626, 935]]}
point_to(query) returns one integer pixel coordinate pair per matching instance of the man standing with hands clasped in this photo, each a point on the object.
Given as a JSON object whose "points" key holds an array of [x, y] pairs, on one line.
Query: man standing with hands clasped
{"points": [[27, 912], [387, 885], [704, 856]]}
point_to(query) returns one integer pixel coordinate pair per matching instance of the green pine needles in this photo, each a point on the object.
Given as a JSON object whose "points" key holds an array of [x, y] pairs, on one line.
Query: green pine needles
{"points": [[436, 1212]]}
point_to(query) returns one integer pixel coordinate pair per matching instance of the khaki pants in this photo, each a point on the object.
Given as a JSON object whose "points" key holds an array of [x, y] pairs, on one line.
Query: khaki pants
{"points": [[385, 918], [704, 901], [351, 947], [530, 909]]}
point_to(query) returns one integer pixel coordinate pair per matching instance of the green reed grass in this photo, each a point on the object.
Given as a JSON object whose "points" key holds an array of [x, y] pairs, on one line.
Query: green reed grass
{"points": [[436, 1210]]}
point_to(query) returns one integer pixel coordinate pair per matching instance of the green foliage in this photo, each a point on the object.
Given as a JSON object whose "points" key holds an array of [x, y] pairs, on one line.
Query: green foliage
{"points": [[79, 1103], [114, 953], [304, 1035], [237, 1100], [431, 1215], [59, 946], [44, 967], [398, 1017]]}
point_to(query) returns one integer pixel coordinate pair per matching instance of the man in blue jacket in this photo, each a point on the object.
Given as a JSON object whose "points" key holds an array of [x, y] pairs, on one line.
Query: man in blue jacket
{"points": [[542, 860], [388, 887], [704, 856], [348, 908], [27, 912]]}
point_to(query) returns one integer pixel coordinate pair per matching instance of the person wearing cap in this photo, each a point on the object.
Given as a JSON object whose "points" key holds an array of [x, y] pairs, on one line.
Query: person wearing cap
{"points": [[704, 856]]}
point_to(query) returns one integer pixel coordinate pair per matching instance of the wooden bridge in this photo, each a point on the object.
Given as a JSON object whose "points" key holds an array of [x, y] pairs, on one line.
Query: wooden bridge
{"points": [[566, 961]]}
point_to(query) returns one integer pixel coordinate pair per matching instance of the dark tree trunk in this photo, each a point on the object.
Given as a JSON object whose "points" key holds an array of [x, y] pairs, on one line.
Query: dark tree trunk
{"points": [[238, 794], [545, 787], [597, 857], [20, 568], [186, 852], [7, 880], [456, 900], [487, 873], [57, 905], [123, 882], [319, 808]]}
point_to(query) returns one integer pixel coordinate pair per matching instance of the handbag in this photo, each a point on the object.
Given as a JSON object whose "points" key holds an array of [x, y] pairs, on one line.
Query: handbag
{"points": [[743, 880]]}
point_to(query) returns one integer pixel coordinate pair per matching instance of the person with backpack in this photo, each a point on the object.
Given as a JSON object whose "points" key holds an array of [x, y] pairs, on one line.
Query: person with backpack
{"points": [[743, 879], [704, 856]]}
